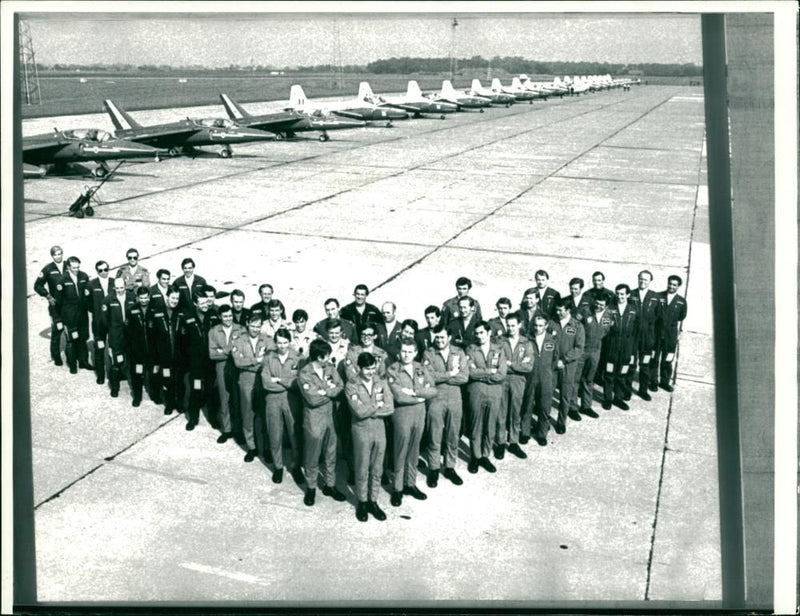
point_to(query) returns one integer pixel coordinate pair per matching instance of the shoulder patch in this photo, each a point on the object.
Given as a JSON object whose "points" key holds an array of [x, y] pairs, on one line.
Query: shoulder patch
{"points": [[306, 386], [59, 287], [105, 307], [549, 346]]}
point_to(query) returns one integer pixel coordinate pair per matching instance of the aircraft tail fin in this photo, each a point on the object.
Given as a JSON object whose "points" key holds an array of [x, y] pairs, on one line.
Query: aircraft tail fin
{"points": [[413, 90], [496, 85], [447, 88], [516, 83], [365, 92], [297, 98], [234, 110], [476, 85], [119, 117]]}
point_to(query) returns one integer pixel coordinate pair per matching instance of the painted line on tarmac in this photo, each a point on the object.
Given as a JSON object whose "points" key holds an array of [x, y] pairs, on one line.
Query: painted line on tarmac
{"points": [[624, 181], [231, 575], [695, 379]]}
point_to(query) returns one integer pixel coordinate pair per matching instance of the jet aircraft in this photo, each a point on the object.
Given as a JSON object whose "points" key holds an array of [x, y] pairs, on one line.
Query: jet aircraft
{"points": [[296, 123], [518, 92], [413, 102], [60, 149], [184, 134], [357, 109], [494, 94], [449, 94]]}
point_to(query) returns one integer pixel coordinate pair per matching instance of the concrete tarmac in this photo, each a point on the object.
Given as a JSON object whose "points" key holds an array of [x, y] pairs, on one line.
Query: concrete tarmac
{"points": [[130, 507]]}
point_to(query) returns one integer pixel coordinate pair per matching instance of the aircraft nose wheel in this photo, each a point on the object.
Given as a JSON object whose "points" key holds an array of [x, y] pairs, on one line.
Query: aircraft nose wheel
{"points": [[278, 137], [389, 125], [225, 152], [481, 110], [173, 152], [100, 172], [324, 137], [441, 117], [89, 210]]}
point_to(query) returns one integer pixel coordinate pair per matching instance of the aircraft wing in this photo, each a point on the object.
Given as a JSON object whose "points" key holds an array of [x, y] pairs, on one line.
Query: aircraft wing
{"points": [[158, 136], [346, 113]]}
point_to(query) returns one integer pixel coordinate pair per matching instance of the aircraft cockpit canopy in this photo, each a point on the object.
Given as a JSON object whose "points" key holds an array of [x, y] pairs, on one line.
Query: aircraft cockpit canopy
{"points": [[88, 134], [214, 122]]}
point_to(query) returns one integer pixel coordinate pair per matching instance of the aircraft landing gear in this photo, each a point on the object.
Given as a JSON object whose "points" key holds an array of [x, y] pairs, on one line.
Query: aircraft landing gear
{"points": [[481, 110], [441, 117], [324, 136], [225, 152], [389, 124], [278, 137], [173, 152], [100, 171]]}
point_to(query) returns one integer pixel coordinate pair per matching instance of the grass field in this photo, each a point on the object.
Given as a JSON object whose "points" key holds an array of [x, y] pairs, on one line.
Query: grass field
{"points": [[66, 95]]}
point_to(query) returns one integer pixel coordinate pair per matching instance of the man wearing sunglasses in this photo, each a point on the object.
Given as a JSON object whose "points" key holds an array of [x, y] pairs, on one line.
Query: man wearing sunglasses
{"points": [[132, 273], [100, 288]]}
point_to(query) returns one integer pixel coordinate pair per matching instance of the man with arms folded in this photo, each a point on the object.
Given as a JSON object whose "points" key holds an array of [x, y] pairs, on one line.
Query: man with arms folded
{"points": [[283, 405], [539, 393], [370, 400], [648, 304], [221, 338], [488, 366], [319, 384], [570, 339], [411, 384], [248, 356], [451, 309], [368, 336], [596, 322], [450, 371], [359, 312], [519, 359]]}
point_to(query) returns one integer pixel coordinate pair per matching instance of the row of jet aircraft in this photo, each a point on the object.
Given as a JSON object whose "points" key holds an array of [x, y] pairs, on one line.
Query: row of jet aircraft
{"points": [[132, 140]]}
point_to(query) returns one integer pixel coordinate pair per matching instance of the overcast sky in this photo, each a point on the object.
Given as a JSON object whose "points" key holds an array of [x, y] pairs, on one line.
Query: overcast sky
{"points": [[291, 40]]}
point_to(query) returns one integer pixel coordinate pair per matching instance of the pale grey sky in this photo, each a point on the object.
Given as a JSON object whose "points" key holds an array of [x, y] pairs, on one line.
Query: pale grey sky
{"points": [[291, 39]]}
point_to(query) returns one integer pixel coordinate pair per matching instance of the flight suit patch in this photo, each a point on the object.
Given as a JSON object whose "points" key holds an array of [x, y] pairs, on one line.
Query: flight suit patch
{"points": [[549, 346], [570, 330], [166, 372]]}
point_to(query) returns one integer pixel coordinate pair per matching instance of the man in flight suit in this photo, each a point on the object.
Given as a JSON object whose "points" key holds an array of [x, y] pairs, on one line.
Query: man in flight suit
{"points": [[370, 400], [450, 371], [240, 313], [498, 325], [132, 273], [360, 312], [425, 336], [450, 308], [648, 305], [158, 292], [519, 359], [221, 338], [319, 384], [139, 343], [547, 295], [331, 315], [265, 292], [100, 288], [577, 301], [621, 350], [189, 284], [72, 298], [673, 312], [570, 340], [411, 384], [538, 397], [528, 309], [596, 323], [462, 327], [163, 327], [488, 366], [116, 310], [45, 286], [248, 356]]}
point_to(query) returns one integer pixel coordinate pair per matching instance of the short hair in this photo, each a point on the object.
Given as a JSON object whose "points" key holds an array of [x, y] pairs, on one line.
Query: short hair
{"points": [[648, 272], [577, 281], [282, 332], [318, 349], [361, 287], [675, 277], [467, 298], [276, 303], [130, 250], [172, 289], [440, 328], [331, 300], [484, 325], [187, 261], [464, 281], [237, 293], [601, 298], [253, 317], [433, 310], [539, 317], [143, 291], [410, 323], [332, 324], [503, 301], [599, 273], [55, 249], [198, 295], [224, 309], [512, 315], [209, 290], [530, 291], [162, 272], [99, 263], [622, 285], [72, 260], [562, 302], [299, 315], [542, 272], [369, 325], [264, 286], [366, 360], [408, 341]]}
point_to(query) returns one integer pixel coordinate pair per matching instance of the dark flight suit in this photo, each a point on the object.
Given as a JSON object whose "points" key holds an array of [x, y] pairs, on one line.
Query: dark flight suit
{"points": [[538, 397], [520, 363], [140, 355], [667, 333], [498, 329], [351, 370], [241, 318], [71, 301], [446, 409], [570, 341], [526, 318], [371, 314], [594, 332], [485, 395], [547, 301], [163, 328], [584, 303], [98, 294], [195, 362], [607, 294], [408, 420], [248, 362], [186, 302], [368, 433], [319, 434], [284, 407], [45, 286], [157, 299], [450, 310], [649, 309], [116, 334], [389, 341], [260, 308], [460, 335], [348, 330], [621, 340], [220, 348], [424, 338]]}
